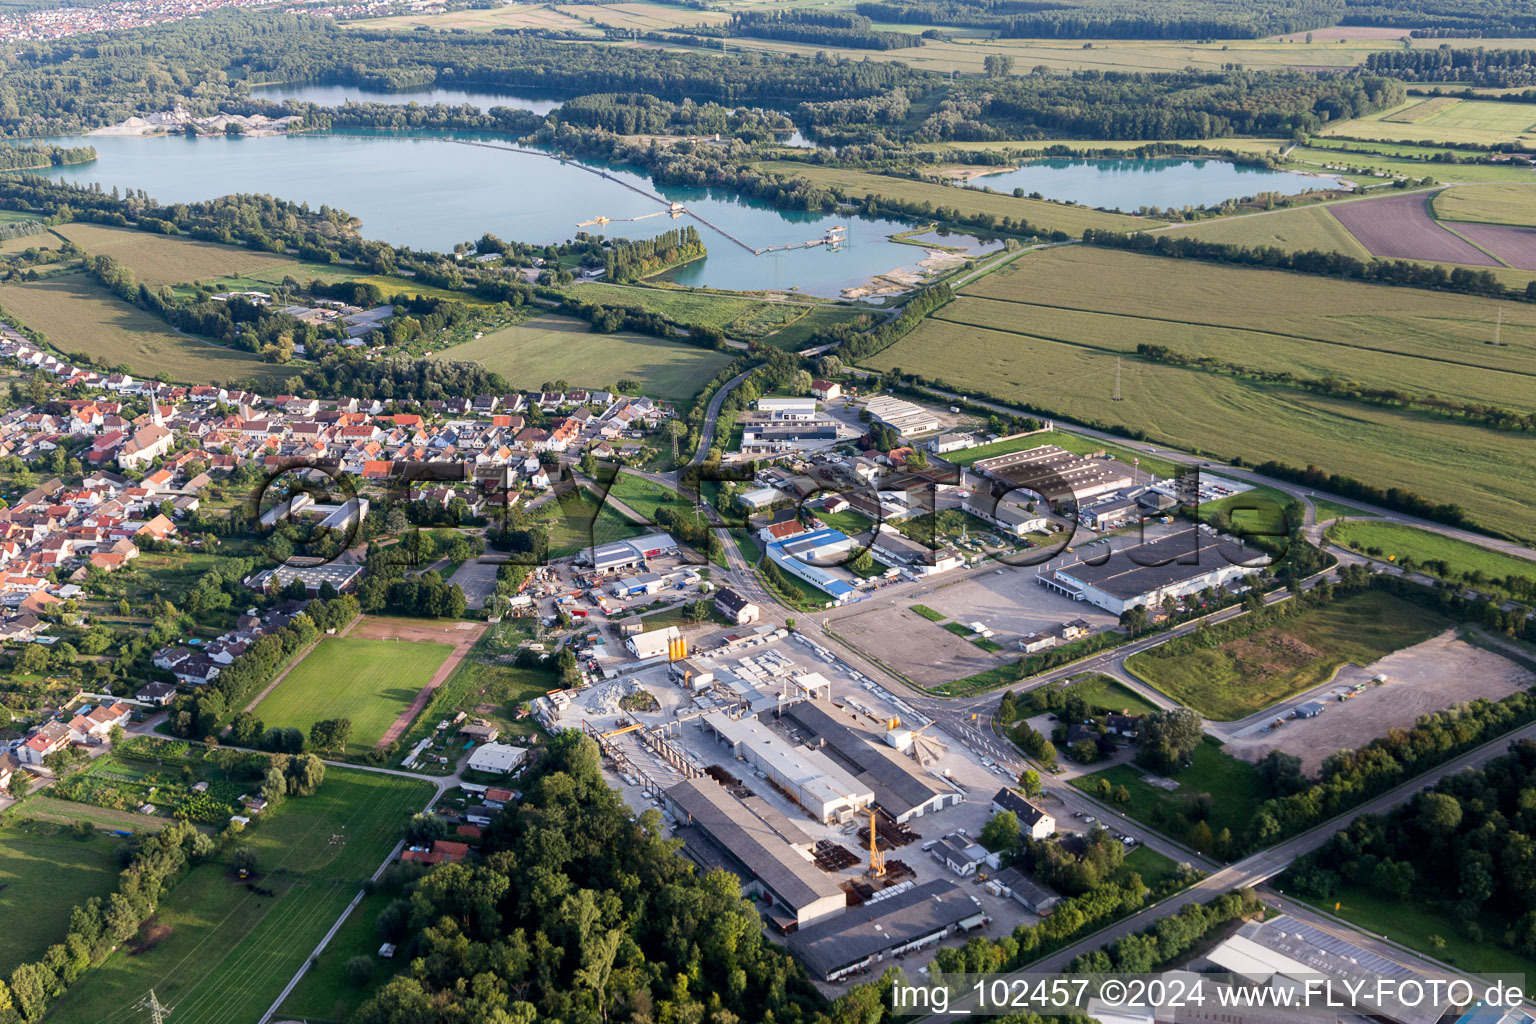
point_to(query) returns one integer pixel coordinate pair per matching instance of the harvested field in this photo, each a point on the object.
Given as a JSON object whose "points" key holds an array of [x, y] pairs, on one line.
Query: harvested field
{"points": [[169, 259], [79, 316], [1489, 203], [1516, 246], [1402, 227], [1421, 679]]}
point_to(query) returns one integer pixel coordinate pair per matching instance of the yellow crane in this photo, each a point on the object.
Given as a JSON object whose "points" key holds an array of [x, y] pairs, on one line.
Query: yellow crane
{"points": [[619, 732], [876, 858]]}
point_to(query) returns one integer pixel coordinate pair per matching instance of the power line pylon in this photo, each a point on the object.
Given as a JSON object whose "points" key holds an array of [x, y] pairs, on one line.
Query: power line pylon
{"points": [[158, 1011]]}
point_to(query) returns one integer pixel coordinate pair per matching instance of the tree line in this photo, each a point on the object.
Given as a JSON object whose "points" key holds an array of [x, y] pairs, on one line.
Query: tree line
{"points": [[819, 28], [1111, 19], [631, 260], [31, 157], [1502, 69]]}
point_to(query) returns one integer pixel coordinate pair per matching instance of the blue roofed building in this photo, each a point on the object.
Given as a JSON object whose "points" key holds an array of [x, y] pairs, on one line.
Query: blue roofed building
{"points": [[798, 555]]}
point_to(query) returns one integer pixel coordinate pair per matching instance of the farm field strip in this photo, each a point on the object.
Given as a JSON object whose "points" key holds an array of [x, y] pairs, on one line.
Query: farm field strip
{"points": [[1116, 333], [1488, 204], [231, 950], [170, 259], [1511, 244], [1401, 227]]}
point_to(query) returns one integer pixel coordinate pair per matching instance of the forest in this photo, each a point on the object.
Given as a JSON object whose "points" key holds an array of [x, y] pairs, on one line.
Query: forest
{"points": [[630, 260], [1467, 849], [820, 28], [1503, 69]]}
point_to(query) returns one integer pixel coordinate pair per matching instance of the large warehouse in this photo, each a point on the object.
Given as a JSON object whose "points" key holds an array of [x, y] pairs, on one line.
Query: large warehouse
{"points": [[1056, 473], [1177, 566], [796, 555], [809, 776], [885, 927], [761, 847], [901, 788], [630, 554]]}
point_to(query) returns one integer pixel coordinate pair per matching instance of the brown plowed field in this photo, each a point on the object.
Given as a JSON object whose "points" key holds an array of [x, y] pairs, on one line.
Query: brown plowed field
{"points": [[1400, 228], [1513, 244]]}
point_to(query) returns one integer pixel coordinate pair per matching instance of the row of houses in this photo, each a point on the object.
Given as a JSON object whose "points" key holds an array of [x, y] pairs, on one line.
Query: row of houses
{"points": [[89, 725]]}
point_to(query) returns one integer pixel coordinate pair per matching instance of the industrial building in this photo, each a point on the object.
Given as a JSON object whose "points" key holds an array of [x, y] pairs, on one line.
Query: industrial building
{"points": [[769, 853], [809, 777], [341, 577], [891, 547], [901, 789], [1176, 566], [795, 556], [1004, 512], [895, 922], [787, 408], [1284, 952], [630, 554], [1025, 891], [1056, 473], [902, 416], [665, 641]]}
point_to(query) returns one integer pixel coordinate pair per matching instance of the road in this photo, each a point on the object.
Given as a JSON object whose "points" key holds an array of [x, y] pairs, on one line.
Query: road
{"points": [[1260, 867]]}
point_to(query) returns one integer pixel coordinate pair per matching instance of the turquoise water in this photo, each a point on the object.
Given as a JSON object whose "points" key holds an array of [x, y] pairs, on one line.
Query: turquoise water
{"points": [[1131, 184], [336, 95], [426, 191]]}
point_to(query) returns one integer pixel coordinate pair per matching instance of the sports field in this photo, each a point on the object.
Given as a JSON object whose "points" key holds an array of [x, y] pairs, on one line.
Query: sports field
{"points": [[1488, 204], [45, 872], [157, 259], [231, 950], [1049, 329], [76, 315], [1074, 220], [370, 681], [552, 348], [1249, 673]]}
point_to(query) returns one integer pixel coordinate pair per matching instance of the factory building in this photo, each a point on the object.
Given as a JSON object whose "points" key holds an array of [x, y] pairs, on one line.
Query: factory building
{"points": [[901, 789], [787, 408], [886, 926], [768, 852], [1056, 473], [667, 640], [630, 554], [1284, 952], [796, 554], [902, 416], [809, 777], [1176, 566]]}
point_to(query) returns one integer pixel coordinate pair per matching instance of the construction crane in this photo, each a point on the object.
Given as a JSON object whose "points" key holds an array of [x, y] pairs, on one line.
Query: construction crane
{"points": [[619, 732], [876, 858]]}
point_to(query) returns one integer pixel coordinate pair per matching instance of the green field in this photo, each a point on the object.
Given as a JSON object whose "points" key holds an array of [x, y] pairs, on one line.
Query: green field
{"points": [[45, 872], [680, 305], [552, 348], [369, 681], [796, 334], [1488, 204], [1397, 541], [325, 993], [1298, 229], [1480, 122], [1232, 785], [1048, 331], [647, 497], [157, 259], [1412, 923], [79, 316], [1259, 511], [231, 950], [1039, 213], [575, 521], [1250, 673], [1101, 691], [1327, 510]]}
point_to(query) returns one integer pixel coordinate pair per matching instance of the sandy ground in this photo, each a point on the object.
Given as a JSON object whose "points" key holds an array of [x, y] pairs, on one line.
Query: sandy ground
{"points": [[1421, 679], [923, 651]]}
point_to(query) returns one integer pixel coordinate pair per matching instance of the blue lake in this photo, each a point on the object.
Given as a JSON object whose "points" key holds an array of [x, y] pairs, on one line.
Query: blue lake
{"points": [[1130, 184]]}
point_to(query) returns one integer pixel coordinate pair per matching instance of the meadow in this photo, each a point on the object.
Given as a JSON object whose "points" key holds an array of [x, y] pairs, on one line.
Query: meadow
{"points": [[512, 16], [647, 497], [45, 871], [370, 682], [1397, 541], [552, 348], [1480, 122], [157, 259], [1074, 220], [575, 521], [231, 950], [1242, 676], [1102, 691], [680, 305], [1049, 331], [1294, 230], [1232, 785], [1488, 204], [79, 316]]}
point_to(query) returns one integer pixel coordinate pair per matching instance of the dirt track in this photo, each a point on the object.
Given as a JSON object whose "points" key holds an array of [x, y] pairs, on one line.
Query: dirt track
{"points": [[1421, 679], [461, 634], [1400, 227]]}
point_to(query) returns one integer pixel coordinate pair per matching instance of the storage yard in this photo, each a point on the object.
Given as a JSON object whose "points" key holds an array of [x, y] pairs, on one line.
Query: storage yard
{"points": [[1419, 680]]}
